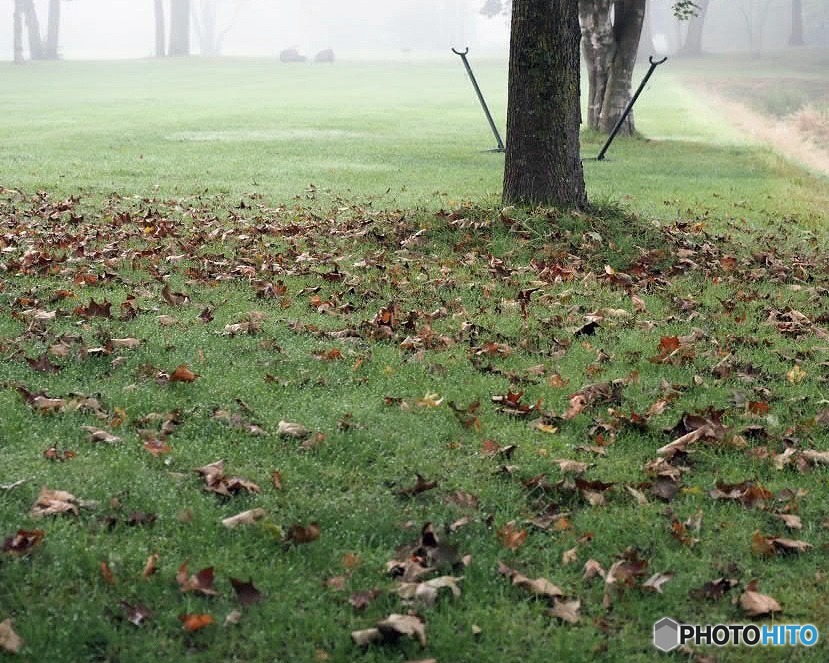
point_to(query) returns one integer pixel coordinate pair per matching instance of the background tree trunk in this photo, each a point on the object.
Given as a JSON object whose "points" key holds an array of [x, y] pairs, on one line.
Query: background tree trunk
{"points": [[693, 40], [543, 165], [160, 39], [796, 35], [18, 32], [33, 27], [610, 40], [179, 27], [206, 27], [53, 31], [599, 48]]}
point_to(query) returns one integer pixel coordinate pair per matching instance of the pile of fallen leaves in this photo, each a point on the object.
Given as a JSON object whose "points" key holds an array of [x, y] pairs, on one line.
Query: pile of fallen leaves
{"points": [[353, 281]]}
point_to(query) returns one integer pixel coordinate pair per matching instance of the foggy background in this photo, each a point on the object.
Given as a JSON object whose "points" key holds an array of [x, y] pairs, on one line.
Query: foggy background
{"points": [[388, 29]]}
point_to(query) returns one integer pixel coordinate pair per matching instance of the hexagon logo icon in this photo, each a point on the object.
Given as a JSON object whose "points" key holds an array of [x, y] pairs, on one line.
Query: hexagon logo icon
{"points": [[666, 634]]}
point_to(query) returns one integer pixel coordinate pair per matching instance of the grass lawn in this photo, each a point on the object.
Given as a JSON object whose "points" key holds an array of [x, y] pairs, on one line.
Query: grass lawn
{"points": [[305, 272]]}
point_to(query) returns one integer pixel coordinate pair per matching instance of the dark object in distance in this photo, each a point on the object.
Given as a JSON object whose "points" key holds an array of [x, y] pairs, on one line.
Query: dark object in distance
{"points": [[291, 55], [326, 55]]}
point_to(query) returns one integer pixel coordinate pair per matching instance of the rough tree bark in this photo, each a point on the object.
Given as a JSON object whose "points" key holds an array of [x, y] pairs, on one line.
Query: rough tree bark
{"points": [[179, 27], [160, 45], [796, 35], [18, 32], [542, 165], [33, 27], [610, 39], [52, 31], [693, 40]]}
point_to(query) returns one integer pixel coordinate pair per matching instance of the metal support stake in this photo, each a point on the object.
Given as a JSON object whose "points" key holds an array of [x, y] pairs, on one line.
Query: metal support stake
{"points": [[629, 107], [492, 126]]}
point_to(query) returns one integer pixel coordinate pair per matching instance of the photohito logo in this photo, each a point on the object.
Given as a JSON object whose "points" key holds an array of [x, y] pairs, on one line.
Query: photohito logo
{"points": [[669, 634]]}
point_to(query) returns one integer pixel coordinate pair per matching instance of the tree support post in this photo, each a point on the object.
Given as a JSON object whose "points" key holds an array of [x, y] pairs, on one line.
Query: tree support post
{"points": [[629, 107], [492, 126]]}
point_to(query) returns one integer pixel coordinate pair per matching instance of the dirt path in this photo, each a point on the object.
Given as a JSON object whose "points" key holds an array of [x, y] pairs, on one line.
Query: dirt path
{"points": [[781, 135]]}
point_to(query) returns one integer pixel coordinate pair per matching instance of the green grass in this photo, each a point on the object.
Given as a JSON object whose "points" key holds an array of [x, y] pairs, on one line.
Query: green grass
{"points": [[183, 144]]}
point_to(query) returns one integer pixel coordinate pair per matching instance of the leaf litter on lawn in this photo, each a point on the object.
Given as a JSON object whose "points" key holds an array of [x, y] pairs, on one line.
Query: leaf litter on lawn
{"points": [[695, 357]]}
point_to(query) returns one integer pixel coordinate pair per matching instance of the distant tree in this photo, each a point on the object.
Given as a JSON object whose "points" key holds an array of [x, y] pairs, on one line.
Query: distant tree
{"points": [[611, 31], [18, 32], [27, 7], [696, 24], [543, 165], [160, 38], [205, 21], [179, 27], [796, 35], [50, 49]]}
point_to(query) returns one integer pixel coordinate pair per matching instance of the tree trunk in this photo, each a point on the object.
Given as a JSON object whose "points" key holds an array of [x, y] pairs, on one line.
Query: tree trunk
{"points": [[599, 48], [33, 27], [693, 40], [542, 165], [796, 36], [179, 27], [53, 31], [18, 32], [206, 27], [610, 40], [160, 50]]}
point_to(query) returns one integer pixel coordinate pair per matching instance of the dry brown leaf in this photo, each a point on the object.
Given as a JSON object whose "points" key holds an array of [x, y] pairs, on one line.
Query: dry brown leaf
{"points": [[655, 582], [183, 374], [52, 502], [790, 520], [299, 534], [201, 582], [512, 537], [566, 610], [245, 518], [100, 435], [288, 429], [195, 622], [570, 556], [592, 568], [539, 586], [393, 626], [151, 566], [366, 636], [755, 604], [9, 640]]}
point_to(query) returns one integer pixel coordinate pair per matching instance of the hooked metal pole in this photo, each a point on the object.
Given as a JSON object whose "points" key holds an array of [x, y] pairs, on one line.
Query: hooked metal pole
{"points": [[492, 126], [629, 107]]}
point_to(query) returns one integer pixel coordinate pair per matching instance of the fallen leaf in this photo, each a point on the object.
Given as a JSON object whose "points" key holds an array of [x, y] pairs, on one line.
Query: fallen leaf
{"points": [[195, 622], [755, 604], [150, 567], [360, 600], [511, 537], [394, 626], [288, 429], [201, 582], [655, 582], [246, 592], [23, 542], [566, 610], [183, 374], [136, 613], [300, 534], [100, 435], [9, 640], [52, 502], [245, 518]]}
